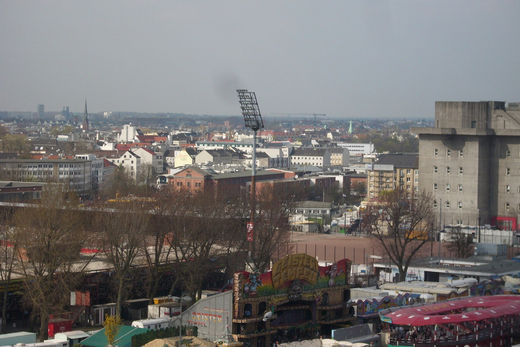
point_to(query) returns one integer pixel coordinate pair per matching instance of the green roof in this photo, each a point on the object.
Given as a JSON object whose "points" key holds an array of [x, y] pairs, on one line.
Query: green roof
{"points": [[123, 338]]}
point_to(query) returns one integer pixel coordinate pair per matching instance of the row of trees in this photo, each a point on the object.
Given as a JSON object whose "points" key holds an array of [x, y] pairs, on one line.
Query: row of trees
{"points": [[188, 234], [13, 143]]}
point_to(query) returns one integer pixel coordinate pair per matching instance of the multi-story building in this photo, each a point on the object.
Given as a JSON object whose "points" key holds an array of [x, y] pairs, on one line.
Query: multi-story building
{"points": [[214, 145], [358, 149], [319, 157], [185, 157], [355, 183], [102, 170], [130, 162], [41, 111], [470, 163], [217, 157], [194, 179], [140, 163], [262, 160], [128, 134], [150, 160], [276, 157], [77, 173], [339, 156], [391, 172]]}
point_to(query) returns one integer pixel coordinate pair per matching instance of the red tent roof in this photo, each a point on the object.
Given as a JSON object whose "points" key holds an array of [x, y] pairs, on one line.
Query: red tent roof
{"points": [[484, 307]]}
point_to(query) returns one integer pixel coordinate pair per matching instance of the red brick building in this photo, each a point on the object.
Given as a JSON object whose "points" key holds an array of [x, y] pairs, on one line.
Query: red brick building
{"points": [[195, 179], [286, 173], [353, 180], [192, 179]]}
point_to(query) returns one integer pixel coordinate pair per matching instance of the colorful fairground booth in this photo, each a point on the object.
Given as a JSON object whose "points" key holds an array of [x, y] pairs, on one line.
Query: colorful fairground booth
{"points": [[367, 310], [298, 299], [472, 321]]}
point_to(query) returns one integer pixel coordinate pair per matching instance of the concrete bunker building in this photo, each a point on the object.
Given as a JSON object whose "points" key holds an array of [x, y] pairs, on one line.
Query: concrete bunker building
{"points": [[470, 163]]}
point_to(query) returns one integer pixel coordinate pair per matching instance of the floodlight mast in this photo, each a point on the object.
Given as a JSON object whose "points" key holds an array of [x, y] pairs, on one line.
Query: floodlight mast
{"points": [[252, 120]]}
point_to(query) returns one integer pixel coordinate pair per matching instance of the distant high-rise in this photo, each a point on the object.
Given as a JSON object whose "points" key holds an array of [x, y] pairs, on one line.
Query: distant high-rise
{"points": [[41, 110], [350, 128], [66, 112], [85, 124]]}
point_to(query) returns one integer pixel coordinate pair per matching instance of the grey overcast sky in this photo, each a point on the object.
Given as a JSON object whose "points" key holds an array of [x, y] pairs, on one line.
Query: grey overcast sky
{"points": [[344, 58]]}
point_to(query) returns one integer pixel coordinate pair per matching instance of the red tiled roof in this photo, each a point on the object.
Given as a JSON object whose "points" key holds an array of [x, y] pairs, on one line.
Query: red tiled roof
{"points": [[107, 163], [151, 138]]}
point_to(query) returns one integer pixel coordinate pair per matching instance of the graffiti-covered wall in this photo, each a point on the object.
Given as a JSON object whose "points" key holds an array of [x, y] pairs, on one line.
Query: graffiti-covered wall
{"points": [[211, 316]]}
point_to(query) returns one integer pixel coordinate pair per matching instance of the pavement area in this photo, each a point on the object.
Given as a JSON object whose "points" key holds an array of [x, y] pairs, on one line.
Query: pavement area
{"points": [[333, 247]]}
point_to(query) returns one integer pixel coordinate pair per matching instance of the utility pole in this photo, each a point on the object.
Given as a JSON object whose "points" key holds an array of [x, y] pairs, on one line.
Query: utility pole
{"points": [[253, 120], [479, 226], [180, 323], [440, 227], [345, 221]]}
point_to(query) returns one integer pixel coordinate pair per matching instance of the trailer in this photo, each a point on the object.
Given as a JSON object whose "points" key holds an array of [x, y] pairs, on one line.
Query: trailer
{"points": [[153, 324], [18, 337]]}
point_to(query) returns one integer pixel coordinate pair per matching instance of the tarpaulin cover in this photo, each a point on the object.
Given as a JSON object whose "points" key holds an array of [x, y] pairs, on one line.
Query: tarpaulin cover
{"points": [[474, 309]]}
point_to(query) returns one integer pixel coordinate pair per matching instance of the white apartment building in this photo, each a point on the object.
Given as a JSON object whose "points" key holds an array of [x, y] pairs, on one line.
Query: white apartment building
{"points": [[128, 134], [130, 162], [151, 159], [185, 157], [319, 157]]}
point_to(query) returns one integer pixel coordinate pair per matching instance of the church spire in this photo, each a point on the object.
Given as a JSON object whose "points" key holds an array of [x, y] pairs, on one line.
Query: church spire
{"points": [[85, 124]]}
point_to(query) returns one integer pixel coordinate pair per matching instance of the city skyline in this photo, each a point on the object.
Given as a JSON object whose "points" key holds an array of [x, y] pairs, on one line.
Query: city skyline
{"points": [[349, 60]]}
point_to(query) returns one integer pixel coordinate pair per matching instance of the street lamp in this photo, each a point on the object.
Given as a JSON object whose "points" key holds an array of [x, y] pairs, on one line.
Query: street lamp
{"points": [[253, 120]]}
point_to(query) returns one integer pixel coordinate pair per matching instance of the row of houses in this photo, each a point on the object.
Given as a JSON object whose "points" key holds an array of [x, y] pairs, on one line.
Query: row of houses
{"points": [[265, 157], [85, 172]]}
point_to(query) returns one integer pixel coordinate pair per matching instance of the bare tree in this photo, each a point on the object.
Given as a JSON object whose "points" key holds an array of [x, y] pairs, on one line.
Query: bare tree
{"points": [[401, 225], [7, 259], [201, 232], [49, 239], [146, 174], [461, 243], [15, 143], [122, 184], [271, 226], [156, 248], [122, 231]]}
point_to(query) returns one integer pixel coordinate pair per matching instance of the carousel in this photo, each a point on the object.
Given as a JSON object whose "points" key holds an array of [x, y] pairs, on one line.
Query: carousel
{"points": [[472, 321]]}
